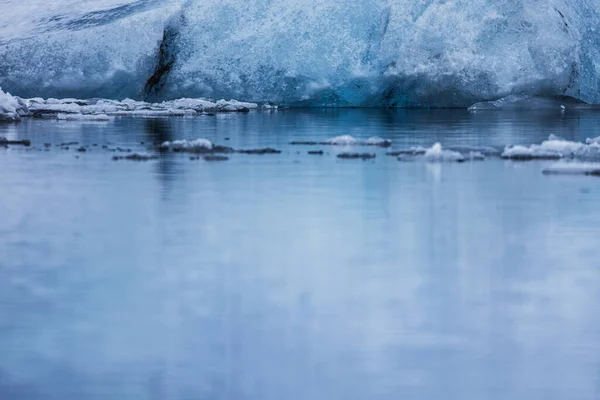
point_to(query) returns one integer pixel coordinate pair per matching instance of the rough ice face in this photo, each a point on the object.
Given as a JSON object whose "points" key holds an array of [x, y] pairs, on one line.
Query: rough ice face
{"points": [[301, 52]]}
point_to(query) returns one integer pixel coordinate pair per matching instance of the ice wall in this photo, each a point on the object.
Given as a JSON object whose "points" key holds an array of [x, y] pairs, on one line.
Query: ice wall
{"points": [[301, 52]]}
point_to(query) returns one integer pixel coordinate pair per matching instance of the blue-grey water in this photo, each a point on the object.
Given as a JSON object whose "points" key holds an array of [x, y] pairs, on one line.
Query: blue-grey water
{"points": [[293, 276]]}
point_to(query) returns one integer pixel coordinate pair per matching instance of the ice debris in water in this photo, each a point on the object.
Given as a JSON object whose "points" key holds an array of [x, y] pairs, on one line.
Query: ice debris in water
{"points": [[347, 140], [343, 140], [436, 153], [573, 168], [12, 108], [533, 152], [189, 146], [593, 140], [553, 148]]}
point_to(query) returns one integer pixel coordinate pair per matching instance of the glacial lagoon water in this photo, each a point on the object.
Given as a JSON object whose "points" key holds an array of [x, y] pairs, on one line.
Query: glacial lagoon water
{"points": [[296, 276]]}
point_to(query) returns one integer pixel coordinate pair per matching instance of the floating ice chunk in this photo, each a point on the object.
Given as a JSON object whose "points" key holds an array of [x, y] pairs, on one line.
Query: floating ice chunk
{"points": [[590, 152], [593, 140], [437, 154], [189, 146], [234, 105], [347, 140], [12, 108], [377, 141], [485, 150], [411, 151], [564, 147], [573, 168], [83, 117], [526, 153], [50, 108], [553, 148], [343, 140]]}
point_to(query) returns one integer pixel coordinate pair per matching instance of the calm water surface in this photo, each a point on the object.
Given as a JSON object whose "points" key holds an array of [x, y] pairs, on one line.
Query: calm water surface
{"points": [[293, 276]]}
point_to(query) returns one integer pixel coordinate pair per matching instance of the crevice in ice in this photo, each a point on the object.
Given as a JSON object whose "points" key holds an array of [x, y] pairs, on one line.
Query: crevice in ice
{"points": [[166, 57]]}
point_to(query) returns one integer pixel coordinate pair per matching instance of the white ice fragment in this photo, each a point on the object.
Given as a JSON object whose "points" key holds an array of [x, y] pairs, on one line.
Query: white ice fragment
{"points": [[559, 145], [234, 105], [343, 140], [533, 152], [437, 154], [190, 146], [377, 141]]}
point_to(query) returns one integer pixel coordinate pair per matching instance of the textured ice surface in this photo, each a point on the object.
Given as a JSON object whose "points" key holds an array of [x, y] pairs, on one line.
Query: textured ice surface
{"points": [[300, 52], [12, 108]]}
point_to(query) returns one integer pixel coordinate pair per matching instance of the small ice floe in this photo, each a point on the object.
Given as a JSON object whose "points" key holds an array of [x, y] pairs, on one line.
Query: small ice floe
{"points": [[551, 149], [485, 150], [136, 157], [527, 153], [377, 141], [573, 168], [347, 140], [593, 140], [343, 140], [411, 151], [54, 108], [437, 154], [260, 152], [362, 156], [591, 152], [189, 146], [83, 117], [12, 108]]}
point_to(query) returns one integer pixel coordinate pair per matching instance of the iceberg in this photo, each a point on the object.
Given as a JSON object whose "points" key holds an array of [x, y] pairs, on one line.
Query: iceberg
{"points": [[382, 53]]}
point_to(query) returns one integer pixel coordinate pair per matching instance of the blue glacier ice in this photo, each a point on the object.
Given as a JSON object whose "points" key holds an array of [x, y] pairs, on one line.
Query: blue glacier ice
{"points": [[404, 53]]}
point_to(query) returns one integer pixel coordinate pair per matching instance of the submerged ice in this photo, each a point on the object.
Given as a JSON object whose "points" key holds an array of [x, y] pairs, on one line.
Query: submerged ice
{"points": [[368, 53]]}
